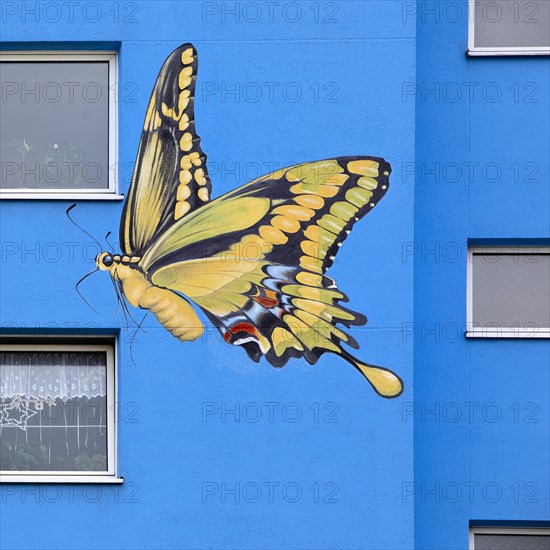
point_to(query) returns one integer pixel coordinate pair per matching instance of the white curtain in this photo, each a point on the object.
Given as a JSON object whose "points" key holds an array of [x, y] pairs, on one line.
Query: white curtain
{"points": [[52, 375]]}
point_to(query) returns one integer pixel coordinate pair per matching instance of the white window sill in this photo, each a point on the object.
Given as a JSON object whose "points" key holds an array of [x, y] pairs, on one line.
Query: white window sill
{"points": [[513, 52], [60, 479], [508, 333], [63, 196]]}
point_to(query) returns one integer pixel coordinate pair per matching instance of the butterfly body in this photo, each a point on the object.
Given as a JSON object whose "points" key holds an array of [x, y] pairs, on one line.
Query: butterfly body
{"points": [[172, 311], [254, 259]]}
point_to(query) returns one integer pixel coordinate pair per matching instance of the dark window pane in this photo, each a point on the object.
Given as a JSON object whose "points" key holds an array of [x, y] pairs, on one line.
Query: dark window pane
{"points": [[511, 290], [53, 411], [512, 23], [55, 125], [512, 542]]}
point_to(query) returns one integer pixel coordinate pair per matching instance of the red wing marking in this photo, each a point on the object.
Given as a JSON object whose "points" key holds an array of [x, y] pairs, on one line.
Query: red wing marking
{"points": [[241, 327]]}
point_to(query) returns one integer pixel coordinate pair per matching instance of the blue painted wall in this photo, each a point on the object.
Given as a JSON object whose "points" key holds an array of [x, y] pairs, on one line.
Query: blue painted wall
{"points": [[409, 473], [481, 406], [348, 60]]}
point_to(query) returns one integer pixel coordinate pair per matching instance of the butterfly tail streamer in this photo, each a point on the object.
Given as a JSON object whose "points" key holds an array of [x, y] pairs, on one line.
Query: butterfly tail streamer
{"points": [[385, 382]]}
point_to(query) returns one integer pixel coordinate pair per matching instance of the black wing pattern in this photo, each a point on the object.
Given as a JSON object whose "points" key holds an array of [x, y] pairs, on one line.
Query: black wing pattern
{"points": [[170, 177]]}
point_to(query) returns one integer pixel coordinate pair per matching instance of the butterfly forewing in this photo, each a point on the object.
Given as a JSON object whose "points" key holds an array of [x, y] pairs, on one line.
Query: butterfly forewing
{"points": [[297, 216], [170, 177], [254, 259]]}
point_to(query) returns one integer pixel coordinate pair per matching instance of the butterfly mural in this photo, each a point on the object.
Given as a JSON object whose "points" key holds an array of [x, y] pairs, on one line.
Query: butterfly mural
{"points": [[254, 259]]}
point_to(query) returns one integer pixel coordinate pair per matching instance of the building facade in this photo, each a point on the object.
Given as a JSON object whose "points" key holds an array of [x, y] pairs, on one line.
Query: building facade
{"points": [[192, 445]]}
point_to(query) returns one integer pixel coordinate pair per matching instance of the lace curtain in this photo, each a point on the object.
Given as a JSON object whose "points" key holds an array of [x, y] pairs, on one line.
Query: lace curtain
{"points": [[52, 375]]}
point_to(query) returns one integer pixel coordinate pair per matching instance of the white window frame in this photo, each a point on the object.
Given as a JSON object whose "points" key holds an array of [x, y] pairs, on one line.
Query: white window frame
{"points": [[109, 476], [493, 50], [498, 332], [110, 193], [503, 531]]}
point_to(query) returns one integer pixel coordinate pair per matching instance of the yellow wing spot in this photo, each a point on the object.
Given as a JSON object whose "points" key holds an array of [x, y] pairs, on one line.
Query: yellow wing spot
{"points": [[185, 162], [184, 78], [311, 263], [337, 179], [310, 248], [358, 196], [315, 308], [325, 311], [322, 328], [288, 225], [314, 189], [282, 340], [367, 183], [386, 173], [332, 223], [364, 167], [166, 111], [183, 192], [195, 157], [272, 235], [185, 177], [316, 294], [316, 173], [184, 82], [309, 279], [184, 122], [181, 209], [183, 101], [325, 172], [322, 237], [296, 212], [310, 201], [199, 176], [308, 335], [186, 142], [343, 210], [203, 194], [187, 56], [292, 176]]}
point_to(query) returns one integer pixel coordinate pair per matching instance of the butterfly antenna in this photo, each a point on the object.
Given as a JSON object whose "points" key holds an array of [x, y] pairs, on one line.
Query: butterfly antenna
{"points": [[125, 305], [122, 305], [117, 295], [80, 227], [80, 293], [106, 240], [133, 338], [126, 309]]}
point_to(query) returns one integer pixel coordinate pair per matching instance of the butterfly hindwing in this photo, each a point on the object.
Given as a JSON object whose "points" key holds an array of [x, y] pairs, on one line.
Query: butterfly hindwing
{"points": [[254, 259], [170, 177]]}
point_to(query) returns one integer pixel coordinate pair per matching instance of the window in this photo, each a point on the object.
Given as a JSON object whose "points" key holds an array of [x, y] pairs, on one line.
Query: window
{"points": [[509, 292], [58, 134], [57, 413], [504, 538], [509, 27]]}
